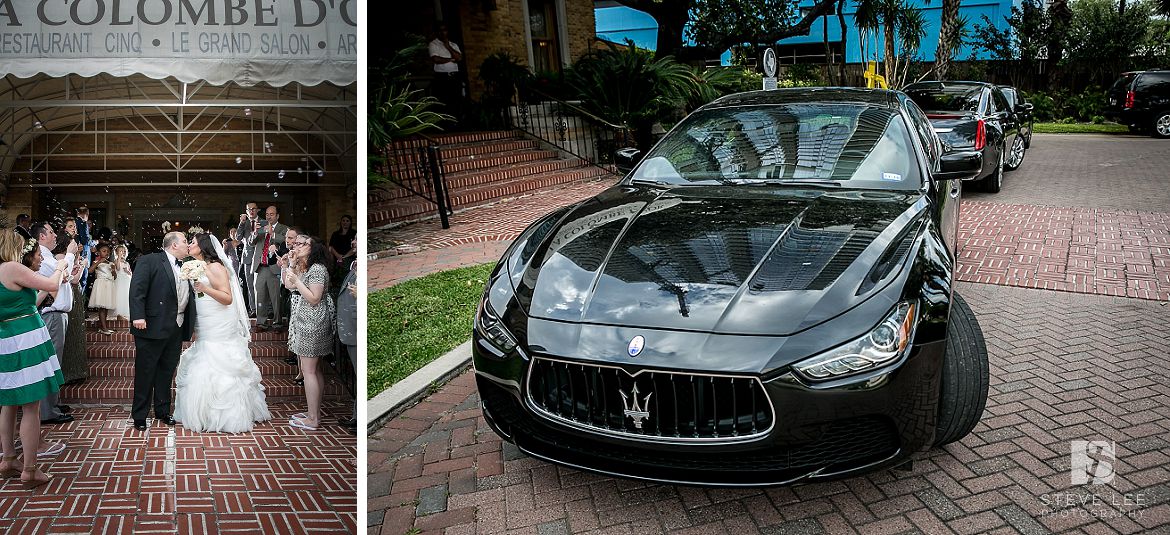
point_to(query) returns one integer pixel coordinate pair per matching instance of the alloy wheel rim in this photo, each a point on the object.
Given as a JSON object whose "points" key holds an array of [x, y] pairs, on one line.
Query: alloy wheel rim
{"points": [[1164, 125], [1017, 151]]}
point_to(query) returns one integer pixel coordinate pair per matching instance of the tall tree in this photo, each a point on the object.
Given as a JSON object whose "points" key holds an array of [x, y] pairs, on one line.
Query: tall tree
{"points": [[717, 25], [946, 38], [671, 16]]}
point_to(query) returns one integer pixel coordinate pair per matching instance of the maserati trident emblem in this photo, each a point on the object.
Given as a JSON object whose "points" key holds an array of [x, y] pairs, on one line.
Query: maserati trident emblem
{"points": [[637, 410], [636, 345]]}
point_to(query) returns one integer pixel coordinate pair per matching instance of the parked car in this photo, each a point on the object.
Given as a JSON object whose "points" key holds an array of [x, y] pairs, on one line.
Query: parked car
{"points": [[766, 298], [972, 116], [1141, 100], [1023, 109]]}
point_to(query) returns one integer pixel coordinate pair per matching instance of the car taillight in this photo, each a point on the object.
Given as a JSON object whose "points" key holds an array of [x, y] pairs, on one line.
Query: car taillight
{"points": [[980, 135], [1128, 99]]}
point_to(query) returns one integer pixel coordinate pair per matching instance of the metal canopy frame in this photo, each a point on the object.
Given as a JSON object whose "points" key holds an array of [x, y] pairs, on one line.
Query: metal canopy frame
{"points": [[178, 121]]}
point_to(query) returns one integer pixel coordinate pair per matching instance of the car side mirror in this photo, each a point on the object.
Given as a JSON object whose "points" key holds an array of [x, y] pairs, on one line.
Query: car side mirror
{"points": [[627, 158], [1025, 107], [959, 165]]}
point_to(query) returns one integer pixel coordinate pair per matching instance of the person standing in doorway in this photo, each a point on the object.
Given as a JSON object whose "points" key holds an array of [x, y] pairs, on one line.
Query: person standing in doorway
{"points": [[447, 85]]}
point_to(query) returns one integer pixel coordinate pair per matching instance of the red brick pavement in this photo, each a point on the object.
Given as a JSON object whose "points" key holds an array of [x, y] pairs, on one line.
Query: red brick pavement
{"points": [[1064, 367], [1081, 250], [114, 479]]}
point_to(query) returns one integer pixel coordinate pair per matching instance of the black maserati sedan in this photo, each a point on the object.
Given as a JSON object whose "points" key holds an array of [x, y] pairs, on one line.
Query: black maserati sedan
{"points": [[765, 299], [974, 116]]}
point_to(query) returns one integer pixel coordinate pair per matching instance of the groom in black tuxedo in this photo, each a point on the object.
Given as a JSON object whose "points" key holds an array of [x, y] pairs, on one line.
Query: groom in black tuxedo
{"points": [[162, 317]]}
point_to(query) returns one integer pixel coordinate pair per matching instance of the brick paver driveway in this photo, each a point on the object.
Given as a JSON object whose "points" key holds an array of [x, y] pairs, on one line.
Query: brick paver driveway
{"points": [[1065, 367]]}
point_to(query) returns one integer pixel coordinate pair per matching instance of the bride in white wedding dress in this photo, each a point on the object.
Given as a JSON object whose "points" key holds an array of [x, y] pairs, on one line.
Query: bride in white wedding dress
{"points": [[218, 384]]}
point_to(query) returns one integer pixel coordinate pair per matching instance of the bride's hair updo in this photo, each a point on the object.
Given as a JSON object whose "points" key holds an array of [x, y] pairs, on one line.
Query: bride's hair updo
{"points": [[207, 248]]}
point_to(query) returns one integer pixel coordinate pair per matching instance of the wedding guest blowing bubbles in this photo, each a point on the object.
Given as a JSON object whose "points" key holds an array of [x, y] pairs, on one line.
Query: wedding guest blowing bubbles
{"points": [[56, 314], [310, 333], [25, 347]]}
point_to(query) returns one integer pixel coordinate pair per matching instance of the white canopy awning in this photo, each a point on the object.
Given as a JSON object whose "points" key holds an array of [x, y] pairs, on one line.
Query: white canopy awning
{"points": [[219, 41]]}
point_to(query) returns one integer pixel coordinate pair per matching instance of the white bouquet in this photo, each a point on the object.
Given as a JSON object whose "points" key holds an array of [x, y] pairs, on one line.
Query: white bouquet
{"points": [[193, 270]]}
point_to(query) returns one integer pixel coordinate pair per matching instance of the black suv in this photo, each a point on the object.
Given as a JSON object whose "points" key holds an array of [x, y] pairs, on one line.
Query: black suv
{"points": [[1141, 100]]}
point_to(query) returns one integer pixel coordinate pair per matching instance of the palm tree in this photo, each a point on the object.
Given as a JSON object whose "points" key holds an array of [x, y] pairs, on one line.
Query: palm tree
{"points": [[903, 28], [946, 38]]}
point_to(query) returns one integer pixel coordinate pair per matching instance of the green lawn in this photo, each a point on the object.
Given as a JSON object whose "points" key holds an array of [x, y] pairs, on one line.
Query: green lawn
{"points": [[1080, 128], [413, 323]]}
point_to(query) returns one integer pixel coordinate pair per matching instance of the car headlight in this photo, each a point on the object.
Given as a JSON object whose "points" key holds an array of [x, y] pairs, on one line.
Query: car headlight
{"points": [[488, 323], [883, 345]]}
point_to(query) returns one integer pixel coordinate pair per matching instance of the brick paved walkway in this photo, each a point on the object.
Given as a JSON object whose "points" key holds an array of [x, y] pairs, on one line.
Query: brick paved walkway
{"points": [[114, 479], [1067, 249], [1063, 367]]}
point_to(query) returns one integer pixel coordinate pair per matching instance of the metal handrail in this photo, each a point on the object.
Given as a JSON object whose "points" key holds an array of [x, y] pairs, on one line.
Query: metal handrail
{"points": [[567, 127], [576, 109]]}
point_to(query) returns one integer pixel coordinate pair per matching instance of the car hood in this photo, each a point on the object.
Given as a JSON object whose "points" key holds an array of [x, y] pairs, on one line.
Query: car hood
{"points": [[756, 260]]}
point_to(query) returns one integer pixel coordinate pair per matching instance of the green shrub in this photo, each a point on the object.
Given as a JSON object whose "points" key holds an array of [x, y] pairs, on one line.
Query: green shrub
{"points": [[1098, 119]]}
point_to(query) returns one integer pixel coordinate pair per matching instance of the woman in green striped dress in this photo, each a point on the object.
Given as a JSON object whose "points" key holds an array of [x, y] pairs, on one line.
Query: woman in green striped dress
{"points": [[29, 369]]}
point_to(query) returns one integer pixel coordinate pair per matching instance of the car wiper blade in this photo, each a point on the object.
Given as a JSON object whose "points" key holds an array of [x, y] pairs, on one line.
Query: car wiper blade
{"points": [[649, 182], [798, 181]]}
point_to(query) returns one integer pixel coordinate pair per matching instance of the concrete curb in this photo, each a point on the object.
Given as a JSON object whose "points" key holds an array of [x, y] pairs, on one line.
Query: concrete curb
{"points": [[395, 399]]}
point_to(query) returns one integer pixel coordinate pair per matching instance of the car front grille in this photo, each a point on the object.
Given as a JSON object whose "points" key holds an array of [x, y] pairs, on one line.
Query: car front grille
{"points": [[829, 447], [650, 405]]}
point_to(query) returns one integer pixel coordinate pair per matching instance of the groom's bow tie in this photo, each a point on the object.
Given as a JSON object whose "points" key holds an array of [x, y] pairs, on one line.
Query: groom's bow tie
{"points": [[179, 263]]}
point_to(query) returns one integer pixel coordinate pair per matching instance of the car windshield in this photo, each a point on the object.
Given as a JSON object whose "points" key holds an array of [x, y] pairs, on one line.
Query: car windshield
{"points": [[945, 97], [832, 145]]}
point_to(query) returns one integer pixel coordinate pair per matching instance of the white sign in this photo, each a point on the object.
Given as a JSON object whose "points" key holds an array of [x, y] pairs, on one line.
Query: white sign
{"points": [[770, 63], [769, 83], [245, 41]]}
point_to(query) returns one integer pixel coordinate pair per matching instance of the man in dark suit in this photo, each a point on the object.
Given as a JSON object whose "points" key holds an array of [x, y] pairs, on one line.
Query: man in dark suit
{"points": [[162, 316], [268, 241]]}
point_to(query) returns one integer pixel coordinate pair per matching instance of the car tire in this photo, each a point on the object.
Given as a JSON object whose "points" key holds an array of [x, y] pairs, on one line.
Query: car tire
{"points": [[993, 182], [1161, 124], [965, 371], [1017, 159]]}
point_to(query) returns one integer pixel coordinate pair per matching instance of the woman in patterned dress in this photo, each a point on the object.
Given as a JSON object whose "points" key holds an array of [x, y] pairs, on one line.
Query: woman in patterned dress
{"points": [[310, 331], [26, 357]]}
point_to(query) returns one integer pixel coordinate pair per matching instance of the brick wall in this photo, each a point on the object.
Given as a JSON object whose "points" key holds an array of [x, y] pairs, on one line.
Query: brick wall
{"points": [[502, 29], [488, 32]]}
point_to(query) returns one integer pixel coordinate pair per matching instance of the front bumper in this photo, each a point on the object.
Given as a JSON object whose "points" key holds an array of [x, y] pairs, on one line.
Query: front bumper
{"points": [[830, 431]]}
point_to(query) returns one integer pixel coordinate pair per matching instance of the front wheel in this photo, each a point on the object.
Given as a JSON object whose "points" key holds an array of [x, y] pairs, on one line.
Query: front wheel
{"points": [[1016, 156], [1162, 124], [965, 373]]}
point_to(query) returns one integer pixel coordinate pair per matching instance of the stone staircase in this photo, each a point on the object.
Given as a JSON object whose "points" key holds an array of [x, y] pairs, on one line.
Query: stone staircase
{"points": [[111, 369], [481, 168]]}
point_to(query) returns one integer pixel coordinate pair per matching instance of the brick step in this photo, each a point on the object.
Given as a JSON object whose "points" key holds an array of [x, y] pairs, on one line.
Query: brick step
{"points": [[270, 367], [125, 350], [91, 323], [459, 182], [489, 162], [413, 210], [460, 152], [120, 391], [94, 337], [474, 137]]}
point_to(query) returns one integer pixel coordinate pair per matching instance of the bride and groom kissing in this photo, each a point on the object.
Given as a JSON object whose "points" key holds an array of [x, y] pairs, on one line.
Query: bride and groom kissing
{"points": [[217, 382]]}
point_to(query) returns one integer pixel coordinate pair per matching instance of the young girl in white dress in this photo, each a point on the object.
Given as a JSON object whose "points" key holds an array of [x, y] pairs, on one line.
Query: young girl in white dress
{"points": [[122, 282], [101, 297]]}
